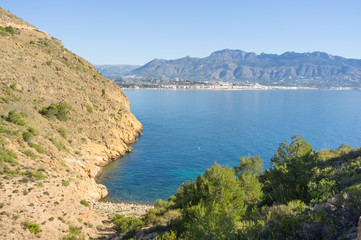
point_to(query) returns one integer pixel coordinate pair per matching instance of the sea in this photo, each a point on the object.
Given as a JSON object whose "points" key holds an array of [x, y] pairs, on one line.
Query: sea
{"points": [[187, 131]]}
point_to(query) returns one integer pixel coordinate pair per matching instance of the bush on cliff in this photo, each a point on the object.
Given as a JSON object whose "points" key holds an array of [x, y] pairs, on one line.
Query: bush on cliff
{"points": [[127, 226], [15, 118], [350, 199], [292, 169], [212, 205], [248, 173], [59, 111]]}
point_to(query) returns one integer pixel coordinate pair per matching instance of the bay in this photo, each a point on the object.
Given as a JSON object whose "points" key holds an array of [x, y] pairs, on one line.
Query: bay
{"points": [[185, 132]]}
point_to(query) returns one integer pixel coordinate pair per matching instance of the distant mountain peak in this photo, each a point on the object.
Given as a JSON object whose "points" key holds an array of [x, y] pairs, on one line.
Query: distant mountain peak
{"points": [[118, 70], [314, 69]]}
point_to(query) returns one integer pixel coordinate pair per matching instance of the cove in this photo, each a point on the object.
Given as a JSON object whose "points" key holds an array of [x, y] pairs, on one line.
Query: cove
{"points": [[185, 132]]}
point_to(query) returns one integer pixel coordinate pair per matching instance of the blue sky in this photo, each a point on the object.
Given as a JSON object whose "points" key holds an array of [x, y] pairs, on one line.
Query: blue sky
{"points": [[137, 31]]}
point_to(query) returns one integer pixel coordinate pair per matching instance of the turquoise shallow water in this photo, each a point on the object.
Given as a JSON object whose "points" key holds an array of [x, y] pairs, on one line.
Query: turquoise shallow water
{"points": [[186, 131]]}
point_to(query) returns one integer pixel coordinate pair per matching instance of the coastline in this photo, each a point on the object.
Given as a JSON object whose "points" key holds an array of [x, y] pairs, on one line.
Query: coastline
{"points": [[126, 209], [115, 206], [245, 89]]}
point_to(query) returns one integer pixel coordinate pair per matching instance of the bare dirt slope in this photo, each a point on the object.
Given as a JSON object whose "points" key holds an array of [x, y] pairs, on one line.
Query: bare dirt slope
{"points": [[61, 121]]}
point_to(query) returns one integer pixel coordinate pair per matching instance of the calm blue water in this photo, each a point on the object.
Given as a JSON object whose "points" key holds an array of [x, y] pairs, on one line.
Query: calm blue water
{"points": [[186, 131]]}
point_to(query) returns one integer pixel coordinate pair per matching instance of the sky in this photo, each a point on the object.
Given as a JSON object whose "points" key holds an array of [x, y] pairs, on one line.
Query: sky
{"points": [[137, 31]]}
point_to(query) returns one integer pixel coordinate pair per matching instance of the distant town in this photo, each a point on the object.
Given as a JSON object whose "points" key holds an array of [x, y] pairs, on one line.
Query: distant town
{"points": [[182, 84]]}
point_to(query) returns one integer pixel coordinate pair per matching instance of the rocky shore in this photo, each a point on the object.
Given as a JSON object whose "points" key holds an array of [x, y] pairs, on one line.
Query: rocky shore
{"points": [[127, 209]]}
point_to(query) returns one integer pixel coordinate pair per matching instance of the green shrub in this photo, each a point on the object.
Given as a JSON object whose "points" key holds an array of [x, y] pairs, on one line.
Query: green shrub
{"points": [[58, 145], [89, 108], [161, 216], [15, 118], [37, 147], [217, 184], [84, 202], [292, 170], [62, 132], [356, 163], [10, 29], [350, 199], [70, 237], [75, 230], [126, 226], [152, 217], [78, 153], [207, 220], [7, 156], [295, 221], [24, 114], [3, 31], [160, 204], [33, 227], [32, 174], [248, 173], [8, 172], [320, 191], [30, 154], [27, 136], [2, 99], [74, 233], [212, 205], [167, 236], [66, 183], [8, 131], [13, 86], [250, 229], [33, 131], [59, 111]]}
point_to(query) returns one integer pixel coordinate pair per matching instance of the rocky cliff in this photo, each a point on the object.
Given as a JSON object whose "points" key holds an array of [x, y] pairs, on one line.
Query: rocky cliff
{"points": [[61, 121]]}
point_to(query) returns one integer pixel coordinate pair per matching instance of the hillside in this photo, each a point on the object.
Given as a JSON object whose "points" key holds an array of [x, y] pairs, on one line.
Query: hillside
{"points": [[316, 69], [61, 121]]}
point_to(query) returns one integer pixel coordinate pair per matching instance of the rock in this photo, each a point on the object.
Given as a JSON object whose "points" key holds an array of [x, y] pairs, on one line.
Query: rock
{"points": [[318, 207], [332, 200]]}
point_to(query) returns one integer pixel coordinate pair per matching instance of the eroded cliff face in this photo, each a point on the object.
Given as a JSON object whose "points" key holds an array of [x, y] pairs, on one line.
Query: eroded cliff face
{"points": [[50, 160]]}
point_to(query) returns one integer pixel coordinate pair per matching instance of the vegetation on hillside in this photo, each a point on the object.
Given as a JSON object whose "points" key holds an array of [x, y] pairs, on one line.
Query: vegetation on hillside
{"points": [[60, 120], [305, 195], [59, 111]]}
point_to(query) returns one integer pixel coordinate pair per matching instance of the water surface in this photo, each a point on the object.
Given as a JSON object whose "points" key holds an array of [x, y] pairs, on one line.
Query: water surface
{"points": [[185, 132]]}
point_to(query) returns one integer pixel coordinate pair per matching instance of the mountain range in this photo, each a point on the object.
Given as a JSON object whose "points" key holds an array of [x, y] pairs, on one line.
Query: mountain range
{"points": [[316, 69], [115, 70]]}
